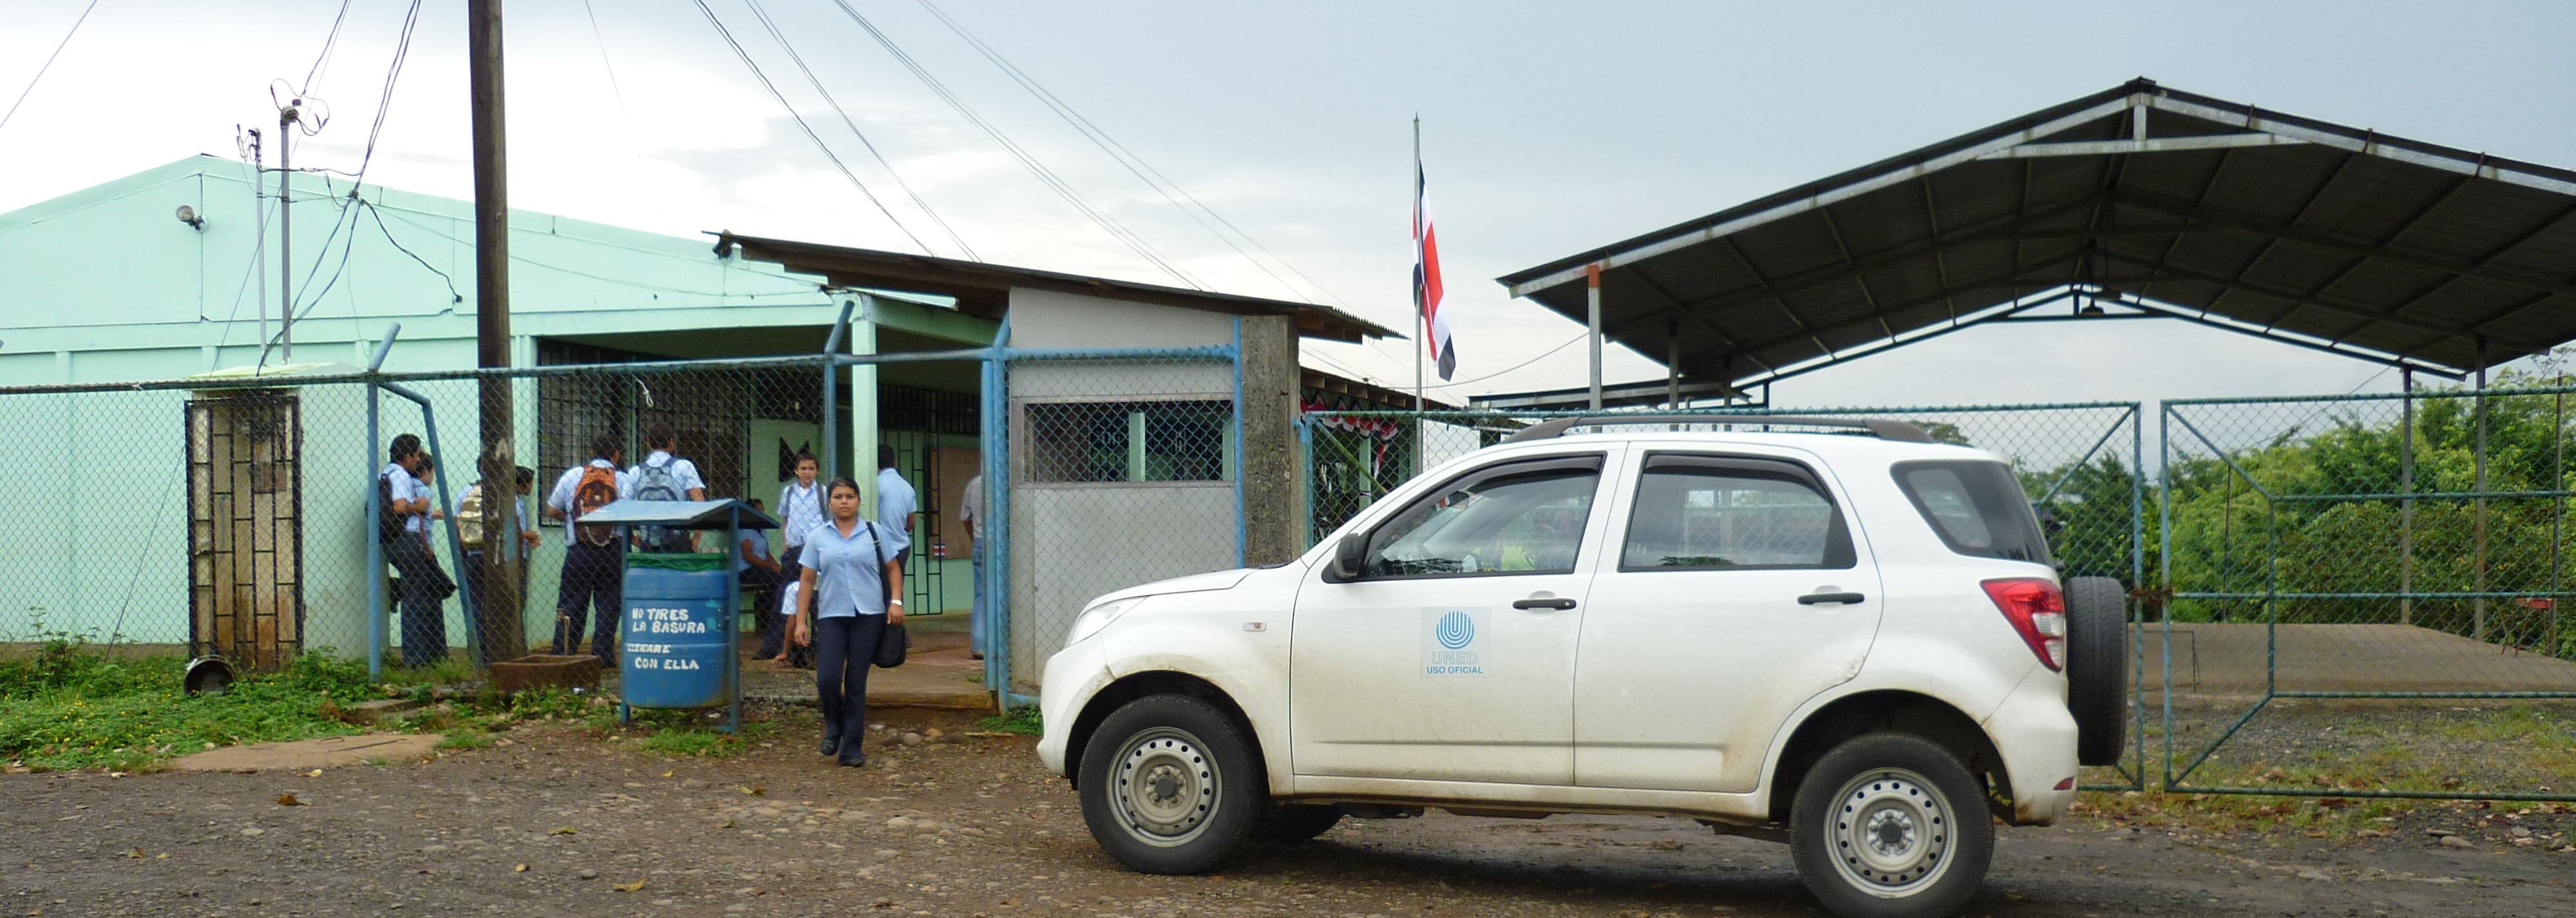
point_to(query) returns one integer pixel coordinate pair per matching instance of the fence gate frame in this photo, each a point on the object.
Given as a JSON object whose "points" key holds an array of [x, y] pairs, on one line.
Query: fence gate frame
{"points": [[2177, 428]]}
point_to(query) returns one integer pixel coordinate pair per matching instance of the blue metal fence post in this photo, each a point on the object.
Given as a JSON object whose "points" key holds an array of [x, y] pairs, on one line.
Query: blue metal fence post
{"points": [[831, 393], [455, 542], [733, 618], [1242, 519], [375, 516]]}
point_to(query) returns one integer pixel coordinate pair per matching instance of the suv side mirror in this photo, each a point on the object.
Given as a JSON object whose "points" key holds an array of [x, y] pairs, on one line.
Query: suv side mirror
{"points": [[1347, 555]]}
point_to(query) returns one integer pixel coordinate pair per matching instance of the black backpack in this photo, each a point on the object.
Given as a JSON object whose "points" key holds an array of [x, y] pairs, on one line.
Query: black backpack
{"points": [[389, 525]]}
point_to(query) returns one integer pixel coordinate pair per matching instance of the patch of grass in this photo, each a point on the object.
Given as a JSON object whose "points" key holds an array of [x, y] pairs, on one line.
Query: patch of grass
{"points": [[684, 733], [468, 738], [69, 706], [1022, 720]]}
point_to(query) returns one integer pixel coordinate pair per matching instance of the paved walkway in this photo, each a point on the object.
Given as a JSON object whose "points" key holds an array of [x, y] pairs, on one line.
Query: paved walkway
{"points": [[938, 673], [2229, 658]]}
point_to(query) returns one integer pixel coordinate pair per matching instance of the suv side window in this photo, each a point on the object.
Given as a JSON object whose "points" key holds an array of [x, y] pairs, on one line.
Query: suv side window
{"points": [[1513, 518], [1733, 513]]}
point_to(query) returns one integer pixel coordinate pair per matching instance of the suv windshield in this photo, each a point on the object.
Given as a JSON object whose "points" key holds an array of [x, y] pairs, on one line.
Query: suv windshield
{"points": [[1976, 507]]}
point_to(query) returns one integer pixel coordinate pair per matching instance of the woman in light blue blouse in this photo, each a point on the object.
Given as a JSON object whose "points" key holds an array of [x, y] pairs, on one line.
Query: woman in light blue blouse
{"points": [[846, 592]]}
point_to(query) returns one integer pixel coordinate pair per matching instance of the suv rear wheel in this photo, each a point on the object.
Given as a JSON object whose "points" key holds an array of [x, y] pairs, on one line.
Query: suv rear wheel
{"points": [[1890, 825], [1170, 785]]}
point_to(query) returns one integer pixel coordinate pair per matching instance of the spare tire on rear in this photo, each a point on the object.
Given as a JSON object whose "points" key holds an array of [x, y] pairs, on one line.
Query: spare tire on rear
{"points": [[2097, 668]]}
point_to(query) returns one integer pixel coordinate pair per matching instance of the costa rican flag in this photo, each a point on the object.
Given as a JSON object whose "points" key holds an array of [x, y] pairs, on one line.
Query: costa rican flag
{"points": [[1426, 278]]}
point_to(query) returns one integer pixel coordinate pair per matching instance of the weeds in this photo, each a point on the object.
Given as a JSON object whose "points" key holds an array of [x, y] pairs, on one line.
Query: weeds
{"points": [[1022, 720], [68, 706]]}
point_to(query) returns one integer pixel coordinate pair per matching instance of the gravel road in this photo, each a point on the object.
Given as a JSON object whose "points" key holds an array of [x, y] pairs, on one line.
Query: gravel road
{"points": [[562, 823]]}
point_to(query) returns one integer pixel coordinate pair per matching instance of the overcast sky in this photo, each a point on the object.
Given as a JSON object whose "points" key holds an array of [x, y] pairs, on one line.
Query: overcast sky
{"points": [[1547, 128]]}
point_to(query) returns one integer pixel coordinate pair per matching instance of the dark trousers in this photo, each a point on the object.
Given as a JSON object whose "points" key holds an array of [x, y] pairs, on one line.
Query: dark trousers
{"points": [[844, 647], [501, 620], [425, 589], [593, 576], [773, 622]]}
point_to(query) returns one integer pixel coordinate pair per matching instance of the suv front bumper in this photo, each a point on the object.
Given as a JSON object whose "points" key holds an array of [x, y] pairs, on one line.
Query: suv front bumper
{"points": [[1072, 676]]}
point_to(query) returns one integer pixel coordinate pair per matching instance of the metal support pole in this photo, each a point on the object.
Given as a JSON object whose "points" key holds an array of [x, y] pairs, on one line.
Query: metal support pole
{"points": [[733, 618], [2478, 569], [1673, 366], [375, 570], [2557, 514], [498, 614], [2406, 506], [831, 394], [286, 119], [1592, 323]]}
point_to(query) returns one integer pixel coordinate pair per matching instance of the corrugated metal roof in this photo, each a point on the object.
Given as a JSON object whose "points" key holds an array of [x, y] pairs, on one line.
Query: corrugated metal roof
{"points": [[984, 289], [2160, 201]]}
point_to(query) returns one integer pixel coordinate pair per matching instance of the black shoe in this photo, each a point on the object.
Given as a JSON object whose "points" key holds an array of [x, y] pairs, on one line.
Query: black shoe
{"points": [[860, 762], [974, 656], [830, 746]]}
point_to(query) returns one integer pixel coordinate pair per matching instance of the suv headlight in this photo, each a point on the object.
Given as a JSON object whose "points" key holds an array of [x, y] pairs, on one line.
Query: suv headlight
{"points": [[1097, 617]]}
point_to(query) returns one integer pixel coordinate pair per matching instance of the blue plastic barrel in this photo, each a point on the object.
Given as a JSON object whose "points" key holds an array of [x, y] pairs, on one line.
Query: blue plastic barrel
{"points": [[674, 643]]}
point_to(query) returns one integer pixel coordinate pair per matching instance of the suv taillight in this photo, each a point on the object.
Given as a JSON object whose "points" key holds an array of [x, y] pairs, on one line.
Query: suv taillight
{"points": [[2037, 612]]}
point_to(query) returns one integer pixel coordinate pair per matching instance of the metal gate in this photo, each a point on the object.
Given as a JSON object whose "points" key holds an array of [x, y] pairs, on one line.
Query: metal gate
{"points": [[245, 526], [2367, 595]]}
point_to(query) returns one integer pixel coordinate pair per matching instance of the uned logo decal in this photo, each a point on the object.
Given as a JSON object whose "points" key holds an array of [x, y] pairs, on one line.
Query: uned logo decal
{"points": [[1455, 630], [1455, 641]]}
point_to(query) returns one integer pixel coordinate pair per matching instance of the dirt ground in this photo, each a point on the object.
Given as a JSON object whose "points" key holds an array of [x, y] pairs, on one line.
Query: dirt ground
{"points": [[559, 822]]}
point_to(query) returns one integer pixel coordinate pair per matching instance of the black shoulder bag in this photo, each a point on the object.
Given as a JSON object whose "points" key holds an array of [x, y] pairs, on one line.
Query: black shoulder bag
{"points": [[893, 644]]}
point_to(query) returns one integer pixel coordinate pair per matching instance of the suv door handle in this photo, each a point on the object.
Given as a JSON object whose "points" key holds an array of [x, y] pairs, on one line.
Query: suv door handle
{"points": [[1820, 598], [1560, 604]]}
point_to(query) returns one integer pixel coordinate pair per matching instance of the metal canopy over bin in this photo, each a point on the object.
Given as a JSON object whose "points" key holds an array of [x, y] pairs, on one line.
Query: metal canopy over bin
{"points": [[660, 672], [2140, 201]]}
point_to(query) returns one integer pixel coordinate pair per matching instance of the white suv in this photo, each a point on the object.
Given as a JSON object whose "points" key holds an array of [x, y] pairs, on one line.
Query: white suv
{"points": [[1856, 644]]}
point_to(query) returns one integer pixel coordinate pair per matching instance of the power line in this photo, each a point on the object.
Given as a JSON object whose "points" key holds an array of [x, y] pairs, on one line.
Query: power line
{"points": [[385, 98], [1136, 165], [853, 125], [328, 42], [747, 62], [1550, 353], [1044, 175], [48, 65], [602, 42]]}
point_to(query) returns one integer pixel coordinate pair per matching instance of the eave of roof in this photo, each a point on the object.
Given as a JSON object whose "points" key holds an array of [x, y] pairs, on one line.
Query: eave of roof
{"points": [[2318, 234], [984, 289]]}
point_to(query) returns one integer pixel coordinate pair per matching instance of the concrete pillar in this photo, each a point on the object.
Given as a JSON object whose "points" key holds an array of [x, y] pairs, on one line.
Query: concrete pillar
{"points": [[1272, 480], [862, 467]]}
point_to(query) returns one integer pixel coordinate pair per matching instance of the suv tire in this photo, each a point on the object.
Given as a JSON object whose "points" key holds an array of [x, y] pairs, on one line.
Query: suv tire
{"points": [[1296, 822], [1891, 825], [1170, 785], [2097, 668]]}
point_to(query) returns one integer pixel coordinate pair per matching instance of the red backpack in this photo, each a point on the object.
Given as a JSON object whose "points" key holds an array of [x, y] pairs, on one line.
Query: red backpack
{"points": [[597, 488]]}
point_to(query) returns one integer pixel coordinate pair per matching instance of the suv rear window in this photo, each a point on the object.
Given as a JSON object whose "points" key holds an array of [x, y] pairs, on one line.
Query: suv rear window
{"points": [[1977, 508]]}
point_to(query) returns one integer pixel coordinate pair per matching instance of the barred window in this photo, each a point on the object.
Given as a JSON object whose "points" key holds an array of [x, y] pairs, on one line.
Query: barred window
{"points": [[1131, 441]]}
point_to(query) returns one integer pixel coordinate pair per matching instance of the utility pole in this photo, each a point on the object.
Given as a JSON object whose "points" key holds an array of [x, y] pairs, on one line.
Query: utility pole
{"points": [[503, 634], [286, 121]]}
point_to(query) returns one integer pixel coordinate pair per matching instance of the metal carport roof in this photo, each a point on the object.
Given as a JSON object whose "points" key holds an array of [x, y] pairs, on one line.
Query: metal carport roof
{"points": [[2147, 200]]}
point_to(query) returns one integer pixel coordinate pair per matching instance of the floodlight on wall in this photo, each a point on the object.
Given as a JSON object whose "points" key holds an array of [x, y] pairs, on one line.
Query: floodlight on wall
{"points": [[188, 215]]}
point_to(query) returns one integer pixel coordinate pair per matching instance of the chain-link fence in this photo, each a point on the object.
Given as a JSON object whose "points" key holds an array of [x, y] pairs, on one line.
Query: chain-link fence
{"points": [[1124, 470], [2079, 462], [227, 514], [2368, 594]]}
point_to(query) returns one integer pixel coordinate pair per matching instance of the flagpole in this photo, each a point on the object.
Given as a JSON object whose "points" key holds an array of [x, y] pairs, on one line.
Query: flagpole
{"points": [[1421, 316]]}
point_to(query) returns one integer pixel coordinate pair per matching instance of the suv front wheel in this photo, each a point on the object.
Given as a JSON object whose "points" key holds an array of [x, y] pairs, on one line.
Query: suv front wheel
{"points": [[1170, 785], [1889, 825]]}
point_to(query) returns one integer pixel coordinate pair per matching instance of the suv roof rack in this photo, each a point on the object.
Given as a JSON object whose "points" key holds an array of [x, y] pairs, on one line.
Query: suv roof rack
{"points": [[1898, 431]]}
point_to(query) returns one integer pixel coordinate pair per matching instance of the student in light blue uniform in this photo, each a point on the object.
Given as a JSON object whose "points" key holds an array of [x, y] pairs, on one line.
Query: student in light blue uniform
{"points": [[851, 571], [896, 501], [425, 587]]}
